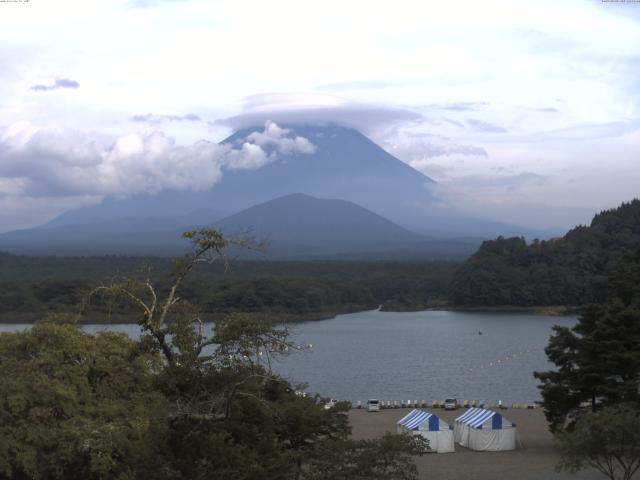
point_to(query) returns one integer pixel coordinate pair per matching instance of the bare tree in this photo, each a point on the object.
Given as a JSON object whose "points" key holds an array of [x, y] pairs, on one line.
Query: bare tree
{"points": [[176, 328]]}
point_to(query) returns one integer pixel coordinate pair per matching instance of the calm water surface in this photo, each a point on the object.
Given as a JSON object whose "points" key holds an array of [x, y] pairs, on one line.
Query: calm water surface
{"points": [[418, 355]]}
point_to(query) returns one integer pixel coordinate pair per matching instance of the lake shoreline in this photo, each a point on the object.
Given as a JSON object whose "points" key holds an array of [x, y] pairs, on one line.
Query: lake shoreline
{"points": [[118, 319], [287, 317], [550, 310]]}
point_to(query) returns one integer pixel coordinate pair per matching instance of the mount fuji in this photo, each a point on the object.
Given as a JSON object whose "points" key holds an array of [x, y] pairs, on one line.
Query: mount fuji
{"points": [[344, 165]]}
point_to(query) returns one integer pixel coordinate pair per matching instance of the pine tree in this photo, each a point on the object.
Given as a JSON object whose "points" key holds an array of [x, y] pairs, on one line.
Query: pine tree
{"points": [[598, 360]]}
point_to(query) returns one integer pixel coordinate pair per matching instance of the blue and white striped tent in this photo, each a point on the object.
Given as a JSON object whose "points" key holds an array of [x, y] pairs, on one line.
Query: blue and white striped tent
{"points": [[431, 427], [481, 429]]}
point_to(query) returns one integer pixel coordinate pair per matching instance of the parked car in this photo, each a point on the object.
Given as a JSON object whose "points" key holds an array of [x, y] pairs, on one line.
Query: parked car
{"points": [[373, 405], [450, 404], [330, 404]]}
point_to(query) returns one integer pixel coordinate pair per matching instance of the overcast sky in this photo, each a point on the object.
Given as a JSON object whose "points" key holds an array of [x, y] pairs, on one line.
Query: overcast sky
{"points": [[524, 111]]}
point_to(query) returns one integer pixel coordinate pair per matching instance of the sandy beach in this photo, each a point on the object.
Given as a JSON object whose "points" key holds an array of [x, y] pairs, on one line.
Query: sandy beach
{"points": [[534, 461]]}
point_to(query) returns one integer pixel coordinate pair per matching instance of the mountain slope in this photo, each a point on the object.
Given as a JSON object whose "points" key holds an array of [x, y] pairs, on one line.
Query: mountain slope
{"points": [[349, 166], [299, 226], [345, 165], [121, 236]]}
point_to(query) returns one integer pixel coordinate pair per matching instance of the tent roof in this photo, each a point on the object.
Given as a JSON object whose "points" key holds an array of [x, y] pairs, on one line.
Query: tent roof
{"points": [[475, 417], [415, 418], [469, 413]]}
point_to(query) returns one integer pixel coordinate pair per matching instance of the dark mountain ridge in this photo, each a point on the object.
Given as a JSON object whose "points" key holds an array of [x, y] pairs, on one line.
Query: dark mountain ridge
{"points": [[296, 226], [301, 226], [300, 218]]}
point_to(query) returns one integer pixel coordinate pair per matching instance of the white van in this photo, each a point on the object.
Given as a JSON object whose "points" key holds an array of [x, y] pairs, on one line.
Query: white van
{"points": [[373, 405], [451, 404]]}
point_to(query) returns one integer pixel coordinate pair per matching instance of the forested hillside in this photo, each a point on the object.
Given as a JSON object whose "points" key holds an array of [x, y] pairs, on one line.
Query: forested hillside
{"points": [[31, 287], [572, 270]]}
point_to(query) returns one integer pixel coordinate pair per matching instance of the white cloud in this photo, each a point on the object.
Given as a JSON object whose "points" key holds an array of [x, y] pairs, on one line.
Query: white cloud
{"points": [[58, 163], [248, 157], [434, 155], [154, 119], [53, 161], [277, 138], [57, 84]]}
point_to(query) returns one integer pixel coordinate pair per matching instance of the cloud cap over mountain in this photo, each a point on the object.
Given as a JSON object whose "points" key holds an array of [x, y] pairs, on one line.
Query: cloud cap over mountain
{"points": [[317, 109]]}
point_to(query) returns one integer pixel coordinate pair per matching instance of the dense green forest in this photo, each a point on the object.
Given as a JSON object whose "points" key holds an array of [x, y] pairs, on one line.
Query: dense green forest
{"points": [[572, 270], [33, 286]]}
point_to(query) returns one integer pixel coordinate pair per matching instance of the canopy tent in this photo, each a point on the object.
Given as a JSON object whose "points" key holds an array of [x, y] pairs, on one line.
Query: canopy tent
{"points": [[486, 430], [431, 427]]}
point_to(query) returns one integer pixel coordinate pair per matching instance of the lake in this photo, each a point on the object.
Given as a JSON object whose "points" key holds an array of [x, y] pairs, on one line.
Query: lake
{"points": [[424, 355]]}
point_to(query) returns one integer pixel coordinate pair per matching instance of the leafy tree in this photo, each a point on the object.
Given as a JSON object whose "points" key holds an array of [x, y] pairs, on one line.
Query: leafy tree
{"points": [[74, 405], [607, 440], [389, 458]]}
